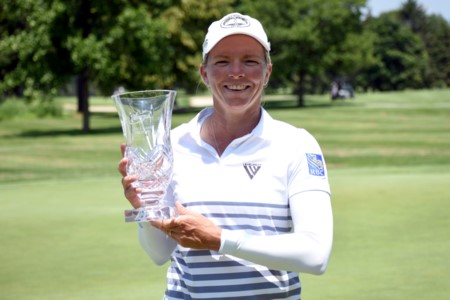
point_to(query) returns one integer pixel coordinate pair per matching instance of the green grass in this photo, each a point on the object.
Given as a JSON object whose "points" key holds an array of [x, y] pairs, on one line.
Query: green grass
{"points": [[391, 236], [62, 235], [66, 239]]}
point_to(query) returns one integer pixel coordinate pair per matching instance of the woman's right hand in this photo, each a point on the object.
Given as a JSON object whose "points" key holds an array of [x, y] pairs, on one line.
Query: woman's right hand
{"points": [[131, 193]]}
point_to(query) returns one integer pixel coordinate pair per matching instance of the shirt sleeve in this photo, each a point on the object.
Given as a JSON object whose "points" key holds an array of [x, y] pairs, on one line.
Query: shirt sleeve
{"points": [[155, 243], [307, 249], [308, 171]]}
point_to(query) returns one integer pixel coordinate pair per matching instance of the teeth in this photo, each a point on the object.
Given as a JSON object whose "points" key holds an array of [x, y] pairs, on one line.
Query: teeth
{"points": [[236, 87]]}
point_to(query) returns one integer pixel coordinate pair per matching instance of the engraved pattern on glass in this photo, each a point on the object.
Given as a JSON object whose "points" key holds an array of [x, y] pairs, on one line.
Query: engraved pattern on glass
{"points": [[145, 117]]}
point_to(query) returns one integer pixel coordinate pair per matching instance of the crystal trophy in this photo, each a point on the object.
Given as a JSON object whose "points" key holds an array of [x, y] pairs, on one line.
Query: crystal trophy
{"points": [[146, 118]]}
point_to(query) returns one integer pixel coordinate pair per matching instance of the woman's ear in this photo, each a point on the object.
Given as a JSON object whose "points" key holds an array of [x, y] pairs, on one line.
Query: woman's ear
{"points": [[204, 74]]}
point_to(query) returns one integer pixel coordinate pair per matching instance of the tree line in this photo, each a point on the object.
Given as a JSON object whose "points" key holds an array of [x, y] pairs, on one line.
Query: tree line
{"points": [[157, 44]]}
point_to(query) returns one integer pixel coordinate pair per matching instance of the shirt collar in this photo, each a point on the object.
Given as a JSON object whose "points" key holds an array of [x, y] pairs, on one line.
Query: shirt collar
{"points": [[261, 129]]}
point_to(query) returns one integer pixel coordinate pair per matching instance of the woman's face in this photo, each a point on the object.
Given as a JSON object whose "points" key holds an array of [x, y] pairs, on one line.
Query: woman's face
{"points": [[236, 72]]}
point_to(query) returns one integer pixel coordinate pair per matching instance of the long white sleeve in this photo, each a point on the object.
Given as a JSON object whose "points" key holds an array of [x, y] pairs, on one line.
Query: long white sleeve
{"points": [[307, 249], [155, 243]]}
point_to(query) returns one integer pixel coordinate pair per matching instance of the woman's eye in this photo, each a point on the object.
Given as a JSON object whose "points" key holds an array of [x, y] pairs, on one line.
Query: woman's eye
{"points": [[221, 63], [251, 62]]}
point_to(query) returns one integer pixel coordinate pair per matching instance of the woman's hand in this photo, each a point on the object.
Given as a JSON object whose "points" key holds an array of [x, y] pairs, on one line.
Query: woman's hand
{"points": [[131, 193], [191, 229]]}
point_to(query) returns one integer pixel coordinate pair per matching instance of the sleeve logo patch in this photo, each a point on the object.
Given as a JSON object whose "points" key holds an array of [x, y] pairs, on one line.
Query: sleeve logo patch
{"points": [[315, 164]]}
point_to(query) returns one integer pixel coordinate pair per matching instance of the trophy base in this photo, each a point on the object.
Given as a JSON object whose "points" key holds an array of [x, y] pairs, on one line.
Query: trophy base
{"points": [[149, 213]]}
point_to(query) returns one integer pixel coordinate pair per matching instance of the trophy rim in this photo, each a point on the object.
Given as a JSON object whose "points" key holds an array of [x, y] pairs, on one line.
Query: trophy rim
{"points": [[158, 92]]}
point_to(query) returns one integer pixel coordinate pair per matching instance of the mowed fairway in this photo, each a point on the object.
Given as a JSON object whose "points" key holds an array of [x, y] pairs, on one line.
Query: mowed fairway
{"points": [[63, 237]]}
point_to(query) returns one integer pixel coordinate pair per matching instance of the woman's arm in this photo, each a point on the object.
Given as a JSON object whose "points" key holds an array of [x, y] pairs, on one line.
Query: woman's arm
{"points": [[307, 249], [155, 243]]}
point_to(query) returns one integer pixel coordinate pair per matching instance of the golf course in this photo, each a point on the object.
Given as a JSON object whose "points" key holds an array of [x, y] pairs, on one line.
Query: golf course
{"points": [[62, 233]]}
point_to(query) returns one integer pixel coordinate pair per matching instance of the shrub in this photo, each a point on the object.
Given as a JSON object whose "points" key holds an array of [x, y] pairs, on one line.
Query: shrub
{"points": [[12, 108], [15, 107], [46, 108]]}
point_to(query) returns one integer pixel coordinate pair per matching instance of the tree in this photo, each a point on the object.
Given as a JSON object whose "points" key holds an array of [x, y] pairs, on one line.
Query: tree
{"points": [[28, 56], [112, 43], [413, 15], [434, 31], [437, 42], [351, 59], [308, 37], [102, 42], [401, 54], [107, 43]]}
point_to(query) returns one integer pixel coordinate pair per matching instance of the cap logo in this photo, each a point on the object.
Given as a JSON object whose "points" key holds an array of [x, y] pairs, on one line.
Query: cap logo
{"points": [[235, 21]]}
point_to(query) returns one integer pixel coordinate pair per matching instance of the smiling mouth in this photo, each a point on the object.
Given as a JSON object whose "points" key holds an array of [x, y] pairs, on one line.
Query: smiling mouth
{"points": [[237, 87]]}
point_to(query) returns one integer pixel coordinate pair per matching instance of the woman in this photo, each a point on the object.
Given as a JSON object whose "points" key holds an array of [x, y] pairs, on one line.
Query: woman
{"points": [[252, 193]]}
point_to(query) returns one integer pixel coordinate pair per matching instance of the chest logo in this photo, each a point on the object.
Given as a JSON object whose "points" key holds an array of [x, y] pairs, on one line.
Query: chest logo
{"points": [[252, 169]]}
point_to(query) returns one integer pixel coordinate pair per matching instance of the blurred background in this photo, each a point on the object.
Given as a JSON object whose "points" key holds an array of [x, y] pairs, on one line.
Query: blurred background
{"points": [[84, 48]]}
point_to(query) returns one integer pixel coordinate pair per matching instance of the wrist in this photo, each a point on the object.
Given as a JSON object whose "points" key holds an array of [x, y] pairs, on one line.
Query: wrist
{"points": [[230, 241]]}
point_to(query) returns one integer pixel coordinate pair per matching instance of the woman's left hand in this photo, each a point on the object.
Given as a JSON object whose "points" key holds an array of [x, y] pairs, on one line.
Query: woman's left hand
{"points": [[191, 229]]}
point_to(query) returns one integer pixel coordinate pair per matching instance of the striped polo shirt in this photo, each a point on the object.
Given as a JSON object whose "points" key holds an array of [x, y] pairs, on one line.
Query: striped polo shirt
{"points": [[246, 190]]}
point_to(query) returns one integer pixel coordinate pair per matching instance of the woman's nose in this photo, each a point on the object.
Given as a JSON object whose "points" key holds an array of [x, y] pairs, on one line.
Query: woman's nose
{"points": [[236, 71]]}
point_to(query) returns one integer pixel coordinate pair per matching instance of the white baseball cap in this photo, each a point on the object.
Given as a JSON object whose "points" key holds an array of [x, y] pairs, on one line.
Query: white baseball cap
{"points": [[234, 23]]}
